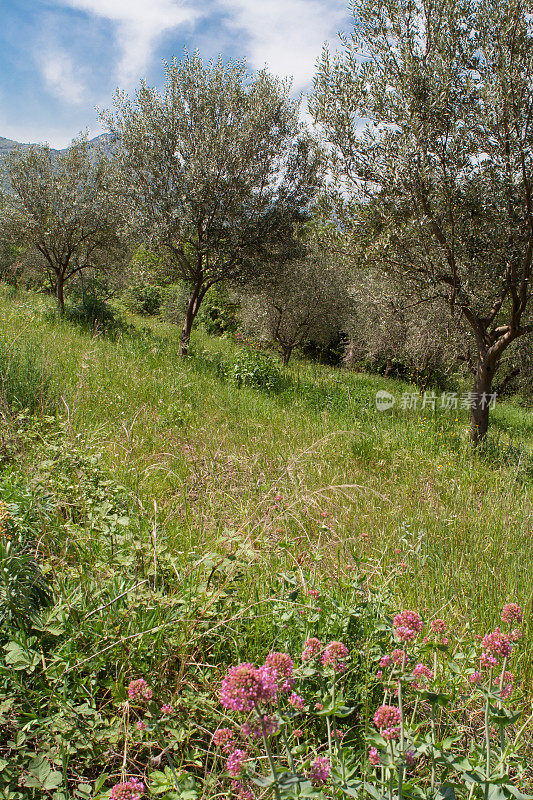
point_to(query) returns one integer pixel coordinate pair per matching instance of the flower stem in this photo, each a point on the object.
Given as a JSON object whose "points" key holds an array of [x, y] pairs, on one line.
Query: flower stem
{"points": [[500, 704], [487, 739], [433, 749], [270, 760], [402, 738]]}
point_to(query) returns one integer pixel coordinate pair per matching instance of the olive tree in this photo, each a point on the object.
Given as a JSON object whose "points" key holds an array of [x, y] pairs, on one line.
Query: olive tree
{"points": [[304, 302], [428, 113], [62, 210], [216, 171]]}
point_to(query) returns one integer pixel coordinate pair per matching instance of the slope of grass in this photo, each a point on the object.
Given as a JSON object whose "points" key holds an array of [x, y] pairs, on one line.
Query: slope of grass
{"points": [[449, 530], [174, 513]]}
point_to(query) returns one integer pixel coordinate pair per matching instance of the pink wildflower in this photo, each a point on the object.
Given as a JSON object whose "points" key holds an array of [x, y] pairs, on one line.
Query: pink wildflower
{"points": [[141, 725], [320, 771], [421, 671], [139, 690], [439, 626], [234, 763], [167, 709], [407, 625], [297, 733], [318, 706], [224, 738], [488, 661], [515, 635], [312, 648], [512, 613], [374, 757], [334, 656], [397, 657], [313, 593], [128, 790], [379, 674], [283, 664], [385, 661], [497, 644], [243, 793], [245, 685], [410, 758], [296, 701], [387, 720], [475, 677]]}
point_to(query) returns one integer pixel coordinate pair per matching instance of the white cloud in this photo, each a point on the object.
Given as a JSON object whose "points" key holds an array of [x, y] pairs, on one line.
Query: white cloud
{"points": [[287, 35], [60, 75], [139, 25]]}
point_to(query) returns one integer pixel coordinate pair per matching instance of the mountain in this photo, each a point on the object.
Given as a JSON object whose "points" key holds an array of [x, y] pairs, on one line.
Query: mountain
{"points": [[7, 145], [104, 141]]}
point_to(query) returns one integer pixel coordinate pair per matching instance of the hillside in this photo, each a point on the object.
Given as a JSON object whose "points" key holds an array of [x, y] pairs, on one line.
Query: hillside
{"points": [[7, 145], [190, 514]]}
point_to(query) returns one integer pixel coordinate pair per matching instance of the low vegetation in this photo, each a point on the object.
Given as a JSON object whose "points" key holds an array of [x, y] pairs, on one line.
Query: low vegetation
{"points": [[165, 520]]}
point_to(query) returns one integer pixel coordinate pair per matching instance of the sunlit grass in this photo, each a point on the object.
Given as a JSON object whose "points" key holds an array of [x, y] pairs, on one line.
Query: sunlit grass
{"points": [[447, 530]]}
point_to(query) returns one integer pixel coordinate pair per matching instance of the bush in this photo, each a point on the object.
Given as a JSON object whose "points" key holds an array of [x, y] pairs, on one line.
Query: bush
{"points": [[96, 315], [253, 368], [144, 298], [219, 312]]}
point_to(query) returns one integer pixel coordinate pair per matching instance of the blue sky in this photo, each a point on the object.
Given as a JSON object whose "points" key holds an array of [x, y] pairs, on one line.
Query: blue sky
{"points": [[60, 60]]}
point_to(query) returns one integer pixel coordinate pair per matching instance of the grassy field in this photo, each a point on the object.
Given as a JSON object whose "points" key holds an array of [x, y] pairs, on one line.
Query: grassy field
{"points": [[306, 479]]}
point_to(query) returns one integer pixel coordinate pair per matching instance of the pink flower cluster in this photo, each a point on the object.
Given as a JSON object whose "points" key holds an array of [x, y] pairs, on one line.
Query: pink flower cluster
{"points": [[245, 685], [507, 684], [312, 648], [167, 709], [320, 771], [438, 626], [128, 790], [495, 645], [387, 720], [407, 625], [374, 757], [296, 701], [139, 690], [512, 613], [243, 793], [235, 762], [335, 655], [224, 738], [283, 664], [423, 672]]}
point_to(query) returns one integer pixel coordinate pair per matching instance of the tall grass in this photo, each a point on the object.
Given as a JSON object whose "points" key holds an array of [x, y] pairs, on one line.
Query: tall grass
{"points": [[309, 477]]}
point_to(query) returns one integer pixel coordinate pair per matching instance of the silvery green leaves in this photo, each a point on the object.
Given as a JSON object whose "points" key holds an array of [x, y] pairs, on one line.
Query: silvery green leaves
{"points": [[217, 170], [427, 117]]}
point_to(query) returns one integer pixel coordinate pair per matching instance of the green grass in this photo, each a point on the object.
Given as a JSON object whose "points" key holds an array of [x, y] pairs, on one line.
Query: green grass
{"points": [[448, 530], [173, 514]]}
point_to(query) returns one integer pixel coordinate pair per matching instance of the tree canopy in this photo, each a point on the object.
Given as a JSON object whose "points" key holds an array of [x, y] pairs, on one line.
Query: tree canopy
{"points": [[217, 171], [428, 117], [62, 207]]}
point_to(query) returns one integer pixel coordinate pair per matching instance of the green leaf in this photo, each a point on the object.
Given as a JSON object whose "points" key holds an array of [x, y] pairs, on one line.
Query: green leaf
{"points": [[19, 658], [53, 781], [446, 791]]}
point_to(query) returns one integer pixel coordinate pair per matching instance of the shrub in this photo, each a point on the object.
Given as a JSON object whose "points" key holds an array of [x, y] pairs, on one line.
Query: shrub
{"points": [[258, 370]]}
